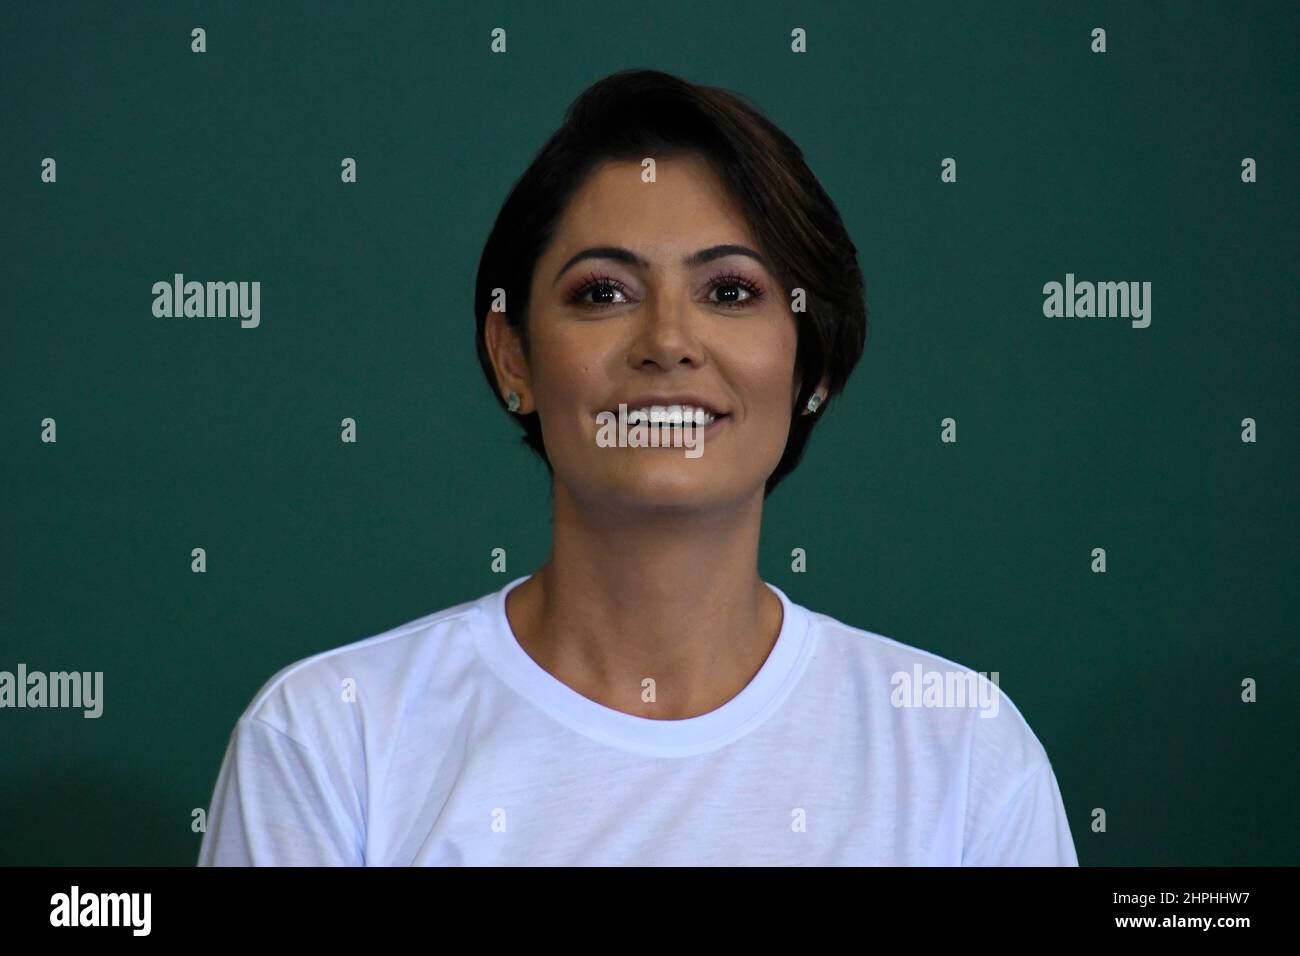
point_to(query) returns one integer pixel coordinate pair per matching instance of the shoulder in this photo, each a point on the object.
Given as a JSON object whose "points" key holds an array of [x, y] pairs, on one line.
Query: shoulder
{"points": [[931, 701], [951, 731], [336, 691]]}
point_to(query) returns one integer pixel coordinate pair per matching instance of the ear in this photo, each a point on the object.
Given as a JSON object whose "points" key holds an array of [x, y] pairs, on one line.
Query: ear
{"points": [[823, 389], [506, 351]]}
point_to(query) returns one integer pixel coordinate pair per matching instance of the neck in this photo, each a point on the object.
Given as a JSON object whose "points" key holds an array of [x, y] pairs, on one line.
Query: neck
{"points": [[629, 595]]}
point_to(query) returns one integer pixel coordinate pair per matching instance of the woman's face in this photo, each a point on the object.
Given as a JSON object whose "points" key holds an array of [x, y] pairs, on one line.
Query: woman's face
{"points": [[606, 329]]}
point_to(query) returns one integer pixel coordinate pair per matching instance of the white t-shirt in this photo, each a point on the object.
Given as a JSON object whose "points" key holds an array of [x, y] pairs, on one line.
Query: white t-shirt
{"points": [[441, 742]]}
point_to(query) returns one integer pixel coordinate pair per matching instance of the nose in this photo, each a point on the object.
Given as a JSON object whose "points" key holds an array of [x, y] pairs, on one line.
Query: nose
{"points": [[667, 332]]}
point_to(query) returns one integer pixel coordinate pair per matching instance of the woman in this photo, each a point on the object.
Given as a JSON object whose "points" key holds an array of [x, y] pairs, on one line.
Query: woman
{"points": [[669, 261]]}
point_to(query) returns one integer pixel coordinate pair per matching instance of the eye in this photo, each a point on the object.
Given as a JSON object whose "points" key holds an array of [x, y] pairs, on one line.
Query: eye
{"points": [[603, 286], [738, 292], [745, 292]]}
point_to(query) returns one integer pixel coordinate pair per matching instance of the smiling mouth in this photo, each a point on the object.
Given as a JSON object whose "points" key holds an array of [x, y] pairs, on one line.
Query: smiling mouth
{"points": [[669, 416]]}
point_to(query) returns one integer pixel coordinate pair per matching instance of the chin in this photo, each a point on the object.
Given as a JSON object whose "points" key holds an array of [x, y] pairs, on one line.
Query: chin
{"points": [[669, 485]]}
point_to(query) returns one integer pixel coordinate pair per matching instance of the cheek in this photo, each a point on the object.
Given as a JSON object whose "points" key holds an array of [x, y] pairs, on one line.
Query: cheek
{"points": [[570, 369], [561, 363], [766, 366]]}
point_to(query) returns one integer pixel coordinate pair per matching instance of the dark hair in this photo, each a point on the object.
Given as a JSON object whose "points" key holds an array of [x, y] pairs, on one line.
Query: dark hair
{"points": [[637, 113]]}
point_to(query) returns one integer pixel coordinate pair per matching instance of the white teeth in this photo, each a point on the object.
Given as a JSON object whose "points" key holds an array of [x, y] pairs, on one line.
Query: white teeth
{"points": [[670, 415]]}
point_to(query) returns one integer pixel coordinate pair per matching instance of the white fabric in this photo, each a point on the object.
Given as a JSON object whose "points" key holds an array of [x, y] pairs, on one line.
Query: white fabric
{"points": [[442, 742]]}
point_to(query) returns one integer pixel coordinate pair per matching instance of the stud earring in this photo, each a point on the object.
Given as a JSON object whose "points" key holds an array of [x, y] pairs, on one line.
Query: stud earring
{"points": [[814, 402], [512, 401]]}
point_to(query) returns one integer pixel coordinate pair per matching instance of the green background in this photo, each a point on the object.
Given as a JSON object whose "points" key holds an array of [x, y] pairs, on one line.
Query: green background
{"points": [[1073, 433]]}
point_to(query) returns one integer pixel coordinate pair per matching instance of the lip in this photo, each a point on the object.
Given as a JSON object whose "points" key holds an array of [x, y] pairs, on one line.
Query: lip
{"points": [[645, 401], [718, 422]]}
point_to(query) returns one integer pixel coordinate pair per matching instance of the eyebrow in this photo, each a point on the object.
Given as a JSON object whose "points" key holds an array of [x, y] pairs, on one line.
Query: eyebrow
{"points": [[628, 257]]}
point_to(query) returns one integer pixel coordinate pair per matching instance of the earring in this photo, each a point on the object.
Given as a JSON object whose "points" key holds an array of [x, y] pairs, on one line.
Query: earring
{"points": [[512, 401], [814, 402]]}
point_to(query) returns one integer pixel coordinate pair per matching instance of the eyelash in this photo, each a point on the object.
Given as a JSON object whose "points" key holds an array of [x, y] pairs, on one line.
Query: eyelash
{"points": [[593, 282]]}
